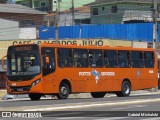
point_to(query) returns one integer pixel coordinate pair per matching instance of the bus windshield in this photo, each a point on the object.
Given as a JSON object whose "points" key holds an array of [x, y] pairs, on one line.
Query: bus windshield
{"points": [[23, 63]]}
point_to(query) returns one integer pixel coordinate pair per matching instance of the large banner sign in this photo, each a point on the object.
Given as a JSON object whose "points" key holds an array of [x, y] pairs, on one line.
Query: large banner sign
{"points": [[94, 42], [97, 42]]}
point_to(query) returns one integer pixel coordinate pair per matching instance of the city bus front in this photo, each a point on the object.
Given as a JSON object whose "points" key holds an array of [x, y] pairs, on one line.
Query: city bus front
{"points": [[23, 69]]}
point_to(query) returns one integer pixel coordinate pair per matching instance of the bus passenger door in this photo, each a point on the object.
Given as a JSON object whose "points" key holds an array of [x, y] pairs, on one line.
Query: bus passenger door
{"points": [[48, 68]]}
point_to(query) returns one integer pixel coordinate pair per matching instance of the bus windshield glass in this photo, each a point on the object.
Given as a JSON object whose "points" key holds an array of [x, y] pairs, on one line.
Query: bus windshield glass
{"points": [[23, 61]]}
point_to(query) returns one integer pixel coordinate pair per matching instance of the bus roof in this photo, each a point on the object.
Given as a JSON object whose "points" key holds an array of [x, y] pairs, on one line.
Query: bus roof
{"points": [[106, 47], [95, 47]]}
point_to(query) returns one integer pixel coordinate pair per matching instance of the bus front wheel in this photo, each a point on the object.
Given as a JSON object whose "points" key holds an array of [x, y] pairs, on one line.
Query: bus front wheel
{"points": [[34, 96], [125, 90], [63, 91], [98, 94]]}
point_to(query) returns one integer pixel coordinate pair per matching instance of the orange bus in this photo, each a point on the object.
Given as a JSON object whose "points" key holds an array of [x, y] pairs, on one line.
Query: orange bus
{"points": [[54, 69]]}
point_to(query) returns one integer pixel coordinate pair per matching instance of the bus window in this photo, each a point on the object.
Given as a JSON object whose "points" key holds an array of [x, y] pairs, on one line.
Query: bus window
{"points": [[123, 59], [80, 58], [149, 59], [95, 58], [65, 57], [137, 59], [110, 59], [48, 57]]}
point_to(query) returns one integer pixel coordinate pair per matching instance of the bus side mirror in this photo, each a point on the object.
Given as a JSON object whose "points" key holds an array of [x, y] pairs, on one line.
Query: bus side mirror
{"points": [[3, 63], [47, 59]]}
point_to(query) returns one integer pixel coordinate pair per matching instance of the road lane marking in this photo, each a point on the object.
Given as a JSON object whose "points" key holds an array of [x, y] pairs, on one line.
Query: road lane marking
{"points": [[114, 118], [94, 105], [65, 118], [133, 106], [156, 118], [99, 115], [63, 114]]}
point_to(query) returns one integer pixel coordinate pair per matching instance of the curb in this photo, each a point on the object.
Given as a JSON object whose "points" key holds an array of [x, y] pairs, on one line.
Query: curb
{"points": [[87, 95]]}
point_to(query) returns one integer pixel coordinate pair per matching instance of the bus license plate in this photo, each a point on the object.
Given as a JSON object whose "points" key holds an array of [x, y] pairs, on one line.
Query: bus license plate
{"points": [[19, 89]]}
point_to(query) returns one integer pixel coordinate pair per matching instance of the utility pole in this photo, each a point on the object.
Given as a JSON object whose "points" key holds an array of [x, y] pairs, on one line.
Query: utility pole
{"points": [[155, 25], [73, 17], [155, 33], [57, 19]]}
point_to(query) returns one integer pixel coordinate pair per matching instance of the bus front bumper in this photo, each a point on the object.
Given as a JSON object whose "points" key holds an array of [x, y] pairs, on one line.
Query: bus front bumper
{"points": [[34, 87]]}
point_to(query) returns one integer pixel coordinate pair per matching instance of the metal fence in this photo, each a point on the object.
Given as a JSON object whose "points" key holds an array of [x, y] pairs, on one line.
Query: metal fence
{"points": [[135, 32]]}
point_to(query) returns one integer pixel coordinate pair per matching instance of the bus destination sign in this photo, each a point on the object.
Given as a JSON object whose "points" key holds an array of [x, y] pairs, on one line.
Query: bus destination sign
{"points": [[23, 48]]}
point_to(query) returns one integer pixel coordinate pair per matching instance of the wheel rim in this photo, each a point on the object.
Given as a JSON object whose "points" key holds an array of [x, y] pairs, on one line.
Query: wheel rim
{"points": [[64, 90], [126, 89]]}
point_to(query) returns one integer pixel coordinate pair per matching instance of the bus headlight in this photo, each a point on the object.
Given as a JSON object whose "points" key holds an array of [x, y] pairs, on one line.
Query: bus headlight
{"points": [[8, 85], [35, 82]]}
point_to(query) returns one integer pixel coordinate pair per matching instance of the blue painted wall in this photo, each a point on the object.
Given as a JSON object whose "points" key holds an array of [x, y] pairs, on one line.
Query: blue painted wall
{"points": [[136, 32]]}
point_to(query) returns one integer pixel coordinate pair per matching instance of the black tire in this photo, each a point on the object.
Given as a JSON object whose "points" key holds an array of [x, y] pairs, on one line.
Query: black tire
{"points": [[98, 94], [63, 91], [125, 90], [34, 96]]}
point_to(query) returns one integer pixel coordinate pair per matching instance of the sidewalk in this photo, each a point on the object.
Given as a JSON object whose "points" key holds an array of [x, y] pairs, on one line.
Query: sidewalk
{"points": [[87, 95], [2, 93], [138, 92]]}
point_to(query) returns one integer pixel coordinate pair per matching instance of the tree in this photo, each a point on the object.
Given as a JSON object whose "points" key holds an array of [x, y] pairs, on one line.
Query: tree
{"points": [[3, 1]]}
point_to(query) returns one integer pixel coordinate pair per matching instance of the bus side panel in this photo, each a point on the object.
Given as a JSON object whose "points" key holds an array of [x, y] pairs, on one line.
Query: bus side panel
{"points": [[50, 83], [142, 78], [88, 82]]}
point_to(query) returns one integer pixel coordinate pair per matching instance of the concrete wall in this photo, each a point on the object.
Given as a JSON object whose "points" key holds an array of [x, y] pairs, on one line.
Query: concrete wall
{"points": [[140, 44], [9, 30], [27, 33]]}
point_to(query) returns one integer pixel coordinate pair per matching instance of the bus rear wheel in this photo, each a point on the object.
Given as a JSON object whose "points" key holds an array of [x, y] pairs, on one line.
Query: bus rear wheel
{"points": [[125, 90], [34, 96], [63, 91], [98, 94]]}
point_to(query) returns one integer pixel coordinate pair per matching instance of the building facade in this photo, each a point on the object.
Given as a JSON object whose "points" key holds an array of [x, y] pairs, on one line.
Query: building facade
{"points": [[121, 11], [51, 5], [9, 30], [24, 15]]}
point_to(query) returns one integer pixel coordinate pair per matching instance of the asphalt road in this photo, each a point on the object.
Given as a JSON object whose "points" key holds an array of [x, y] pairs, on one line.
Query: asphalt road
{"points": [[108, 108], [86, 102]]}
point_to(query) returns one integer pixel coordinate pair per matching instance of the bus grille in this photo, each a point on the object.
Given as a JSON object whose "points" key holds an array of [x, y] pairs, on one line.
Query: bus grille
{"points": [[20, 89]]}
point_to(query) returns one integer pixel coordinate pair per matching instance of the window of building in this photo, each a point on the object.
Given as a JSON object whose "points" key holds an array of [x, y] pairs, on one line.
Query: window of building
{"points": [[65, 57], [24, 4], [110, 58], [114, 9], [43, 4], [103, 8], [36, 4], [80, 58], [95, 11], [27, 23], [149, 45], [152, 8], [137, 59], [149, 59]]}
